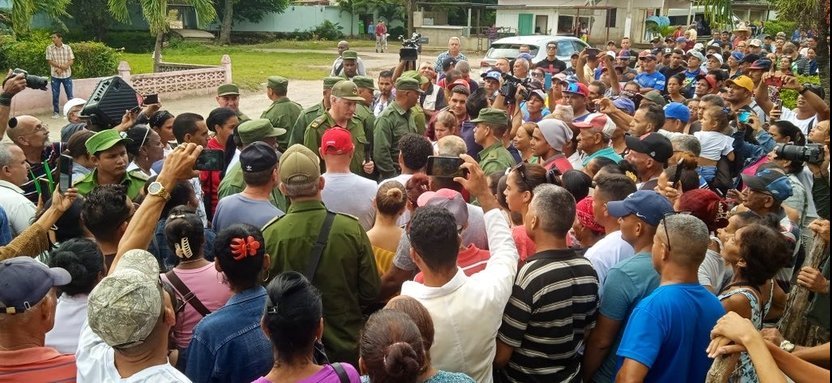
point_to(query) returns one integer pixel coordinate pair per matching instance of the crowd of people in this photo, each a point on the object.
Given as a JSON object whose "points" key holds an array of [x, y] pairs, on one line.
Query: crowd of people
{"points": [[643, 214]]}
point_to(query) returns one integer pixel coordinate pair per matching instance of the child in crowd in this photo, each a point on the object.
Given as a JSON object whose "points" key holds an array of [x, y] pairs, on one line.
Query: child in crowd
{"points": [[715, 144], [446, 125]]}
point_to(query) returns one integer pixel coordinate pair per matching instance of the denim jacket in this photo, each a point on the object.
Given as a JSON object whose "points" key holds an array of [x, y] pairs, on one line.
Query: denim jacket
{"points": [[228, 344]]}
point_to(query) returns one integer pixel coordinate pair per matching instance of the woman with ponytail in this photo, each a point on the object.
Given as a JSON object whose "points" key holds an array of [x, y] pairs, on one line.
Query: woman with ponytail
{"points": [[195, 280], [294, 322], [520, 184], [390, 203]]}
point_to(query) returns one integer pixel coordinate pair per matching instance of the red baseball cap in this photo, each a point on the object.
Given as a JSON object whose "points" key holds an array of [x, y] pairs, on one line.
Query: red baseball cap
{"points": [[336, 141], [459, 82]]}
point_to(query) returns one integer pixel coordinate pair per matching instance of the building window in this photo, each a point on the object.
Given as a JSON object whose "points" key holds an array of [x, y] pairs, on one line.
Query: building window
{"points": [[611, 15]]}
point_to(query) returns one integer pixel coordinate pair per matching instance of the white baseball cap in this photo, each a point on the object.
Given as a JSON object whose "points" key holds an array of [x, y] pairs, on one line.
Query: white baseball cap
{"points": [[73, 103]]}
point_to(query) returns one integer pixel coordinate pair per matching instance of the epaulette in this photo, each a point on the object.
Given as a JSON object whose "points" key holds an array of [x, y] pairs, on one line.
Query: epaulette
{"points": [[318, 121], [138, 174]]}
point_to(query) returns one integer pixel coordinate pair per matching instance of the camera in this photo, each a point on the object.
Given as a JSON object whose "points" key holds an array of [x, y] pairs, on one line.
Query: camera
{"points": [[509, 88], [32, 81], [410, 47], [811, 153]]}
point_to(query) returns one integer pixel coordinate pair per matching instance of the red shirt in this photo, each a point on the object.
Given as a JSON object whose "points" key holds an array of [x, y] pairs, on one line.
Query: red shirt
{"points": [[210, 179], [381, 29], [36, 364], [471, 260], [525, 246]]}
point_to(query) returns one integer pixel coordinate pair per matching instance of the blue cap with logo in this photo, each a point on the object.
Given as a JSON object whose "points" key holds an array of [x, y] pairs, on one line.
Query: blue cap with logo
{"points": [[771, 181], [647, 205], [492, 75], [677, 111]]}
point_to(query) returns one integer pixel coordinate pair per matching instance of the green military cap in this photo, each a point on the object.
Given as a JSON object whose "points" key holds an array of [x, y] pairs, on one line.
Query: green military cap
{"points": [[349, 55], [364, 82], [258, 129], [278, 83], [415, 75], [299, 165], [228, 90], [104, 140], [329, 82], [408, 83], [347, 90], [493, 116]]}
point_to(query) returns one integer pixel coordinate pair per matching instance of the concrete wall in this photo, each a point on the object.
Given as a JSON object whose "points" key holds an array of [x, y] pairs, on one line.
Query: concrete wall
{"points": [[299, 17], [438, 36]]}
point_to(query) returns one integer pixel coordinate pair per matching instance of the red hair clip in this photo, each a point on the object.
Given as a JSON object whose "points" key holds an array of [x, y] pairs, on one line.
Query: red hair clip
{"points": [[241, 248]]}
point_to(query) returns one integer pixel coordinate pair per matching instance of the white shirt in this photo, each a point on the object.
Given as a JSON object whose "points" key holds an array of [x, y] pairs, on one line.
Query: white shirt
{"points": [[804, 125], [714, 144], [96, 363], [606, 253], [468, 311], [70, 315], [351, 194], [19, 209]]}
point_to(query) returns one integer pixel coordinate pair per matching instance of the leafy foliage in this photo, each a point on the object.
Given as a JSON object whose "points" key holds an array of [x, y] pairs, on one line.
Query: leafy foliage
{"points": [[155, 12], [252, 10], [327, 31], [719, 13], [775, 26], [92, 17], [23, 10], [92, 59], [789, 96]]}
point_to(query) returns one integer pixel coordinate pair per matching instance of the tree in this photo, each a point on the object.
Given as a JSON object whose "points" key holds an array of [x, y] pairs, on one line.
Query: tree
{"points": [[23, 10], [92, 16], [389, 10], [230, 11], [155, 13]]}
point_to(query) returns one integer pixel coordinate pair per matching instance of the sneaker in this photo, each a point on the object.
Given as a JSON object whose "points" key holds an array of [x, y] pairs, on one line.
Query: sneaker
{"points": [[56, 116]]}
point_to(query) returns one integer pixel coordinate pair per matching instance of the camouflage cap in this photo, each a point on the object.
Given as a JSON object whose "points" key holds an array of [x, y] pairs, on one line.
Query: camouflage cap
{"points": [[124, 307], [299, 165], [364, 82], [329, 82], [492, 116], [349, 55], [347, 90], [278, 83]]}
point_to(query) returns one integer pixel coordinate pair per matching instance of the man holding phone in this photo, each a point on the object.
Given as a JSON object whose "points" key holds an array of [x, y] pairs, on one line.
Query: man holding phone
{"points": [[109, 155]]}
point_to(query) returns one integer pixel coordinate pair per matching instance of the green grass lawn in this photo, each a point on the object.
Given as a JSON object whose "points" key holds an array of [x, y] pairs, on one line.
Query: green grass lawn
{"points": [[250, 66], [316, 45]]}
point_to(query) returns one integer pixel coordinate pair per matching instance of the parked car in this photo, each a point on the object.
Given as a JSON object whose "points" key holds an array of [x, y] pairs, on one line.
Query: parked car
{"points": [[509, 47]]}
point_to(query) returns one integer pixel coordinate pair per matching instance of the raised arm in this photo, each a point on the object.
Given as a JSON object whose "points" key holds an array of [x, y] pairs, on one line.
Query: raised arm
{"points": [[34, 240], [12, 85]]}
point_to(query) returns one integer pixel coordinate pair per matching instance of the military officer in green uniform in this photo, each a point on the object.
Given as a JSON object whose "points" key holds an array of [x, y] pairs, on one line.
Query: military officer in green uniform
{"points": [[341, 113], [228, 96], [394, 122], [108, 149], [366, 89], [346, 274], [252, 131], [491, 126], [283, 112], [419, 116], [350, 61], [312, 112]]}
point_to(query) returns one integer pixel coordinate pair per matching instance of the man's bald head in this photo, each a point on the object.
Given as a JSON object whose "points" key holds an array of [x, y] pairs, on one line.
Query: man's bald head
{"points": [[21, 126], [343, 45]]}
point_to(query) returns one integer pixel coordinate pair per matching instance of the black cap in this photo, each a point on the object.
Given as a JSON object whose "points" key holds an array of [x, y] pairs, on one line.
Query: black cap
{"points": [[655, 145], [258, 156], [749, 58], [447, 62]]}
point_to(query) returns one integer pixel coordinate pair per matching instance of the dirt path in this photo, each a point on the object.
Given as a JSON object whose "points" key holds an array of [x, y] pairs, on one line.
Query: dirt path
{"points": [[305, 92]]}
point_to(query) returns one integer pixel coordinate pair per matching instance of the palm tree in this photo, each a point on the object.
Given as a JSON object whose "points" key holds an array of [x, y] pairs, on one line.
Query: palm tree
{"points": [[155, 13], [23, 10]]}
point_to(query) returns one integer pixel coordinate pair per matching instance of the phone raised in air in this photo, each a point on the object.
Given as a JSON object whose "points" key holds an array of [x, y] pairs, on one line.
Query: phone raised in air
{"points": [[742, 116], [150, 99], [65, 167], [445, 167], [592, 52], [210, 159], [677, 176]]}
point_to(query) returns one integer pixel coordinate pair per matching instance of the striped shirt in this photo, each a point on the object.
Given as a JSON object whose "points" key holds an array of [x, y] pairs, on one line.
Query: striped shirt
{"points": [[36, 364], [60, 55], [553, 305]]}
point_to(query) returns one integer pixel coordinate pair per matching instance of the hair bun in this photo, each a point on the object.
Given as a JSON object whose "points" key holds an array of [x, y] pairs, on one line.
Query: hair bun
{"points": [[395, 193], [400, 360]]}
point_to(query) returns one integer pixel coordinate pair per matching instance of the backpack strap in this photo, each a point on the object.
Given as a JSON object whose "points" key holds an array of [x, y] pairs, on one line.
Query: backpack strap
{"points": [[341, 372], [320, 245], [187, 295]]}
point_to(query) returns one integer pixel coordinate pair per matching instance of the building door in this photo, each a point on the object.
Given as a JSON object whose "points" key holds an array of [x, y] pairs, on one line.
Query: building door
{"points": [[541, 24], [524, 23]]}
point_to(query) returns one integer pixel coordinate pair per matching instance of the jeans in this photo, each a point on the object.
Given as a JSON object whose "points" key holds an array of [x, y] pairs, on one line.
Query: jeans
{"points": [[56, 91]]}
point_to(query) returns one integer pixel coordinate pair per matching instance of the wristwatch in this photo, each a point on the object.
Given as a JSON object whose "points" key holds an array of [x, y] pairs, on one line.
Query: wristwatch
{"points": [[156, 189], [787, 346]]}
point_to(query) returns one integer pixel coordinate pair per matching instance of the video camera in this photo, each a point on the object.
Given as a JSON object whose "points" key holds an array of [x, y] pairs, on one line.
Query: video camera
{"points": [[811, 153], [410, 47], [509, 88], [32, 81]]}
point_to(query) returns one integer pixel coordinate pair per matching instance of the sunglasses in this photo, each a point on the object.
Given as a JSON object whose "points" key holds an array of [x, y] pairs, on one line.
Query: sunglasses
{"points": [[521, 169]]}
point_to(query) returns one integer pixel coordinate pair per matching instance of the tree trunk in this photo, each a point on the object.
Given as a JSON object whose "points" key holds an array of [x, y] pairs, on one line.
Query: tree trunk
{"points": [[822, 49], [794, 326], [722, 368], [409, 17], [227, 22], [157, 51]]}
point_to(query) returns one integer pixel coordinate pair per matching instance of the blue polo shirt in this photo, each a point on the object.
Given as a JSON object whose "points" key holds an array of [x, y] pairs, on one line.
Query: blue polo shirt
{"points": [[653, 80]]}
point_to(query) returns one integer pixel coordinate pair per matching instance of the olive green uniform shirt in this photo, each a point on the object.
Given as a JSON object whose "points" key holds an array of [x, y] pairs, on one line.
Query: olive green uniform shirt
{"points": [[315, 131], [242, 117], [346, 276], [283, 113], [306, 117], [233, 183], [393, 123], [134, 181], [495, 158]]}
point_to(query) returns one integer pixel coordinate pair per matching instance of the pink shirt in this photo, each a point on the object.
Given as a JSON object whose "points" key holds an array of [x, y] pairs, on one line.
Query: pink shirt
{"points": [[525, 245], [206, 283]]}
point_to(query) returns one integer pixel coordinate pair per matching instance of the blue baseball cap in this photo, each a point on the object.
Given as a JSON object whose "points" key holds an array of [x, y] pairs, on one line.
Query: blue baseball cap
{"points": [[625, 104], [681, 40], [526, 56], [770, 181], [737, 56], [24, 282], [492, 75], [677, 111], [647, 205]]}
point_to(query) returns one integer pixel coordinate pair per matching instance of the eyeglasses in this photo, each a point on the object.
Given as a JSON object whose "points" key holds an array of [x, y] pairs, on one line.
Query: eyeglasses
{"points": [[551, 47]]}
